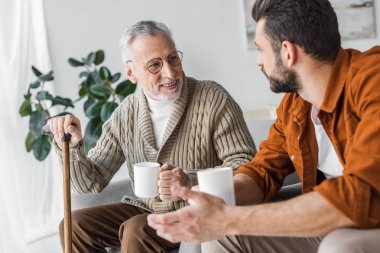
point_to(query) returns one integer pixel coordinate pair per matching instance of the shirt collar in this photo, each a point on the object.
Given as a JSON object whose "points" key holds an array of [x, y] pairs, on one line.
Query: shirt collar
{"points": [[336, 81]]}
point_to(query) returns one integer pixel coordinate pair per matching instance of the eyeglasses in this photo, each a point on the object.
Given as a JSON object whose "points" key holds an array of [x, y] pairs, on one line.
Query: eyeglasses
{"points": [[155, 65]]}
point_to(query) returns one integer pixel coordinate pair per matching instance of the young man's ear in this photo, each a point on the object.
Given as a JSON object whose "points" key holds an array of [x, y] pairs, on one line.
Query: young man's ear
{"points": [[288, 53], [130, 73]]}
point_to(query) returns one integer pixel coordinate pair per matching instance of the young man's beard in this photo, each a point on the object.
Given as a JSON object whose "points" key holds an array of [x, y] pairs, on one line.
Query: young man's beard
{"points": [[283, 79]]}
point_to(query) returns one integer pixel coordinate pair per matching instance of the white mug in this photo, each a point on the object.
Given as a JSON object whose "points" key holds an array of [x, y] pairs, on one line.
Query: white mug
{"points": [[218, 182], [146, 179]]}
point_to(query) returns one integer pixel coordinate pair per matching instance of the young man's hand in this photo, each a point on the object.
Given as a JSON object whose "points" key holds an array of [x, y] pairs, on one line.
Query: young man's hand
{"points": [[204, 220]]}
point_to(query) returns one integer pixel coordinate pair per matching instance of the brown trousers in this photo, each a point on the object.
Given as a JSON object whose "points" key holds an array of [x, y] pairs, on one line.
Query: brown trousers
{"points": [[119, 224], [262, 244], [344, 240]]}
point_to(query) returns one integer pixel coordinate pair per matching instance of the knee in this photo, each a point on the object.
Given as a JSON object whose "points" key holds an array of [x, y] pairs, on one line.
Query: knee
{"points": [[134, 228], [77, 227], [78, 222], [338, 242]]}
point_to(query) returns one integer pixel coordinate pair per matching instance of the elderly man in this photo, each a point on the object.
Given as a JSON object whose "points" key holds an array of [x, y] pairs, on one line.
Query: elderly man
{"points": [[327, 129], [173, 119]]}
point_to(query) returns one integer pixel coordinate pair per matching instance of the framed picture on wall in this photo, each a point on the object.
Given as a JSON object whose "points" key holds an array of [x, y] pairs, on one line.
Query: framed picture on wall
{"points": [[250, 25], [356, 19]]}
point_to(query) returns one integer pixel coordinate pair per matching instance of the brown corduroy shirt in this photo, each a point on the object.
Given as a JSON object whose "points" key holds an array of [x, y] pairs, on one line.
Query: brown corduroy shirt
{"points": [[350, 115]]}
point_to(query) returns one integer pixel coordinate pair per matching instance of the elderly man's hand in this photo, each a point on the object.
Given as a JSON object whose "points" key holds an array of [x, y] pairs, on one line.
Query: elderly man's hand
{"points": [[205, 219], [66, 124], [170, 175]]}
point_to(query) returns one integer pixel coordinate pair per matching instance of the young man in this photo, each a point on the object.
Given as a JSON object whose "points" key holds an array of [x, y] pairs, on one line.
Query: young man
{"points": [[327, 129], [173, 119]]}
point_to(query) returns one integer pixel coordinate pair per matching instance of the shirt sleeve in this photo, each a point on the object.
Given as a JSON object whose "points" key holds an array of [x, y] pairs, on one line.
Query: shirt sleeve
{"points": [[271, 164], [92, 173]]}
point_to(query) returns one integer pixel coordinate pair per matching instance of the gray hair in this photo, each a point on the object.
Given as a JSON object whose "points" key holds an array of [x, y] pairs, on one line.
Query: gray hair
{"points": [[148, 27]]}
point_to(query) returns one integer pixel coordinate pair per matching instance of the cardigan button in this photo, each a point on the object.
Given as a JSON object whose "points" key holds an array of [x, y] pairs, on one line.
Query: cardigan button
{"points": [[292, 157]]}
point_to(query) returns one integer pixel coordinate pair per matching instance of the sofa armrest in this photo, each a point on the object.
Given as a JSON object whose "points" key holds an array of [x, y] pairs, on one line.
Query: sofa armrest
{"points": [[288, 192], [113, 193]]}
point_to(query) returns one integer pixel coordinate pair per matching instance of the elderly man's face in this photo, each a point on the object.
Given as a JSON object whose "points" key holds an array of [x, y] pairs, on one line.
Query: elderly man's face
{"points": [[281, 78], [166, 84]]}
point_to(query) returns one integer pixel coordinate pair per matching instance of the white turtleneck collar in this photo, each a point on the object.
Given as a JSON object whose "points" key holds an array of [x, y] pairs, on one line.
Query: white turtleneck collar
{"points": [[159, 112]]}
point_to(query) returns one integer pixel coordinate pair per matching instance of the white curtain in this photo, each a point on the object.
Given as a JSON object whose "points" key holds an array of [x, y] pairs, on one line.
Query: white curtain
{"points": [[30, 191]]}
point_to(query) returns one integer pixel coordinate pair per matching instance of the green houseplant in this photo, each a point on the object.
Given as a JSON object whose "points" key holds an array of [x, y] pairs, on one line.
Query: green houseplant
{"points": [[100, 89]]}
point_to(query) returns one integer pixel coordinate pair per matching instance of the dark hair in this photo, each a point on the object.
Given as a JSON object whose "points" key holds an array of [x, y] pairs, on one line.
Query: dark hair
{"points": [[312, 24]]}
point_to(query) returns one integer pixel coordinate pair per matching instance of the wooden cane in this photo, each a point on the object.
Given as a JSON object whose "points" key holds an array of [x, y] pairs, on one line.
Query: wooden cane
{"points": [[66, 187], [67, 193]]}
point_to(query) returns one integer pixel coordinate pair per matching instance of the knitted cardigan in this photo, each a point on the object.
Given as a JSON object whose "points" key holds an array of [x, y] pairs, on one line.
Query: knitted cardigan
{"points": [[206, 129]]}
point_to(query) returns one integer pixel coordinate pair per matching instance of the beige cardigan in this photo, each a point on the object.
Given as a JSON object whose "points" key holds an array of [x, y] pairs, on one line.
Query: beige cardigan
{"points": [[206, 129]]}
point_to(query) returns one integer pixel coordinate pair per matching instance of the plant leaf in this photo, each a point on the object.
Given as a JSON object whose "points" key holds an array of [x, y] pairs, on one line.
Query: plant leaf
{"points": [[28, 96], [25, 108], [29, 141], [41, 147], [43, 95], [67, 102], [93, 111], [37, 120], [36, 72], [90, 58], [93, 78], [100, 91], [88, 103], [115, 78], [47, 77], [104, 73], [83, 74], [107, 110], [99, 57], [125, 88], [92, 133], [82, 90], [35, 85], [75, 63], [89, 142]]}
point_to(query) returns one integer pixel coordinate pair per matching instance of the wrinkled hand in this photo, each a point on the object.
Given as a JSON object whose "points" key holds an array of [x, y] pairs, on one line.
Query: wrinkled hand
{"points": [[170, 175], [205, 219], [65, 124]]}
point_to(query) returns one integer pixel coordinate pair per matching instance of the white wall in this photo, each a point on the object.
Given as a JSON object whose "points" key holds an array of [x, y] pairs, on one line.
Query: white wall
{"points": [[211, 34]]}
